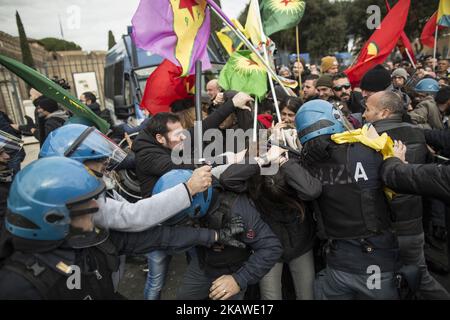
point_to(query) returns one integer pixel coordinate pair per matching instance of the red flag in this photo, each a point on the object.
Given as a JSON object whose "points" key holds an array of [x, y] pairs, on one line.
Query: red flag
{"points": [[381, 43], [165, 86], [403, 43], [427, 36]]}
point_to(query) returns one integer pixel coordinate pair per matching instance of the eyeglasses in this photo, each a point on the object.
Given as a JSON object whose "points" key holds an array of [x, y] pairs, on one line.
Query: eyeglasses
{"points": [[344, 86]]}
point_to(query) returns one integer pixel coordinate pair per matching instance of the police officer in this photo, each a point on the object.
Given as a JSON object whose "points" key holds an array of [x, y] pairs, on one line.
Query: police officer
{"points": [[59, 253], [224, 272], [384, 110], [8, 144], [352, 212], [87, 145]]}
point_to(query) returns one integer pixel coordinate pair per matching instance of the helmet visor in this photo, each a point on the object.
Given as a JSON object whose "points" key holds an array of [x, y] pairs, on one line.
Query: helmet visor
{"points": [[10, 143], [101, 144]]}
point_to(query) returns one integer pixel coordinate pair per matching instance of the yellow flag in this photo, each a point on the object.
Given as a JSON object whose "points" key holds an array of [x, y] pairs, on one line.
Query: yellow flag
{"points": [[443, 17], [383, 143], [188, 19], [253, 26], [229, 39]]}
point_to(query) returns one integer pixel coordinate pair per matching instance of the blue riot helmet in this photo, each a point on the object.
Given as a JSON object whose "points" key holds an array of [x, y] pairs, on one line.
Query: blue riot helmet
{"points": [[427, 85], [46, 194], [317, 118], [82, 143], [200, 202]]}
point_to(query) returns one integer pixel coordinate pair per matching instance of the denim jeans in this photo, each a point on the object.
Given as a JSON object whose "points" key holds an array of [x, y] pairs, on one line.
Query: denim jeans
{"points": [[332, 284], [158, 265], [411, 252], [302, 271], [196, 283]]}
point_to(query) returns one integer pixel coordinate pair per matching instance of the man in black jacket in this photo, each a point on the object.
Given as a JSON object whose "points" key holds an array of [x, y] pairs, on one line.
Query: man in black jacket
{"points": [[90, 100], [384, 110], [52, 116], [164, 134]]}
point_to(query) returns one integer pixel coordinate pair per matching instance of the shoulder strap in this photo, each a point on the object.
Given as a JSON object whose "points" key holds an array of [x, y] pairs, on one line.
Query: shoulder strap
{"points": [[36, 272]]}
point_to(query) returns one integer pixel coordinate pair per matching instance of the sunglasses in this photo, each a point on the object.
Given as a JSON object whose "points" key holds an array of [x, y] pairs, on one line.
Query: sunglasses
{"points": [[344, 86]]}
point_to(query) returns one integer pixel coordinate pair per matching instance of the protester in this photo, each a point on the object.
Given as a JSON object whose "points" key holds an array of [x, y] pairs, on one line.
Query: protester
{"points": [[310, 88], [329, 65]]}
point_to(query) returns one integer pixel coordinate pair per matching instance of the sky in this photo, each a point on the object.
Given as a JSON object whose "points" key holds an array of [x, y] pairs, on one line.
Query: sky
{"points": [[85, 22]]}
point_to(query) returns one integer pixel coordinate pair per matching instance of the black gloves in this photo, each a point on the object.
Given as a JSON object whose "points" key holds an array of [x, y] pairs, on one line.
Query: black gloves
{"points": [[26, 129], [232, 228], [316, 150]]}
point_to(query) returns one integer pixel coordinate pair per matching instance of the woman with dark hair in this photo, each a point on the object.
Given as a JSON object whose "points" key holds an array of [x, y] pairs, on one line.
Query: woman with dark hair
{"points": [[289, 108], [280, 199]]}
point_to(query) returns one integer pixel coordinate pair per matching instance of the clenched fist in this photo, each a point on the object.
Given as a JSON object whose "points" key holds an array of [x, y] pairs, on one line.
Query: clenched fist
{"points": [[200, 181]]}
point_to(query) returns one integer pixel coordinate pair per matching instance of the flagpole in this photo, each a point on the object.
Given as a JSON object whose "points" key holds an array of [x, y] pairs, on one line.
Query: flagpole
{"points": [[250, 46], [410, 58], [198, 133], [298, 59], [255, 121], [435, 47], [266, 57]]}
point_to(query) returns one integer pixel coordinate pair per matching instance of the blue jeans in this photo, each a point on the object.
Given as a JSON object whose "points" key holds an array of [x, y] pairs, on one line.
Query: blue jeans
{"points": [[158, 265], [332, 284]]}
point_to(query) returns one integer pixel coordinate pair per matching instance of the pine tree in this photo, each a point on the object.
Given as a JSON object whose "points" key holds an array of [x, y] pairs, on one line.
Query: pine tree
{"points": [[111, 40], [27, 57]]}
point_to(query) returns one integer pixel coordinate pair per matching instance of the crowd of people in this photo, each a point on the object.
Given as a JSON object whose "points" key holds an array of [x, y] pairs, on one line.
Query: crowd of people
{"points": [[356, 190]]}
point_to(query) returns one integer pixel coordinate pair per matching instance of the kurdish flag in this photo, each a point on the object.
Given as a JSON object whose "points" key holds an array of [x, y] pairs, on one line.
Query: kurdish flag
{"points": [[177, 30], [243, 73], [443, 17], [281, 14], [253, 24], [229, 39]]}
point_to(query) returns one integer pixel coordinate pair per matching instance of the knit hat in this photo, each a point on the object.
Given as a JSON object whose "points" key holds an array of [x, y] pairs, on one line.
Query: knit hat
{"points": [[376, 79], [327, 63], [400, 72], [325, 80], [48, 105]]}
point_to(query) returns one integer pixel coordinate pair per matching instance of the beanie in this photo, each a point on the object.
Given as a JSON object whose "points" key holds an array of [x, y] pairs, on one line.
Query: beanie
{"points": [[400, 72], [376, 79], [327, 63], [325, 80], [48, 105]]}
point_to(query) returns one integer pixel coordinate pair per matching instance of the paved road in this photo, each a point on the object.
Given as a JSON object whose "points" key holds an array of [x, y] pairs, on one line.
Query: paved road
{"points": [[132, 286]]}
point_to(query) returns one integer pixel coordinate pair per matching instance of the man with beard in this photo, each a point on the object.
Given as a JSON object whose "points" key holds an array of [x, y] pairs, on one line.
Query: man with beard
{"points": [[344, 93]]}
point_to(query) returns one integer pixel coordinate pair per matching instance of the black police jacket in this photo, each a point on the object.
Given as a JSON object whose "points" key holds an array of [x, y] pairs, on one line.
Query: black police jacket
{"points": [[296, 235], [46, 275], [430, 180], [352, 204], [439, 139], [4, 191], [407, 210], [249, 265]]}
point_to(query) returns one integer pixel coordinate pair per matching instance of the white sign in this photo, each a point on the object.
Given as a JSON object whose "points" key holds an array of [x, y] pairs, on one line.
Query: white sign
{"points": [[86, 81]]}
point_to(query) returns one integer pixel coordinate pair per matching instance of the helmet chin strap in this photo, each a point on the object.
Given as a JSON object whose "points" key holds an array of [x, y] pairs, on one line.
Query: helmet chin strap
{"points": [[79, 238], [6, 175]]}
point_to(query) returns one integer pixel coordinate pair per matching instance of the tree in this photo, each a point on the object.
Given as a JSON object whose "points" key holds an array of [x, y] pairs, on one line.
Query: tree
{"points": [[27, 57], [111, 40], [53, 44]]}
